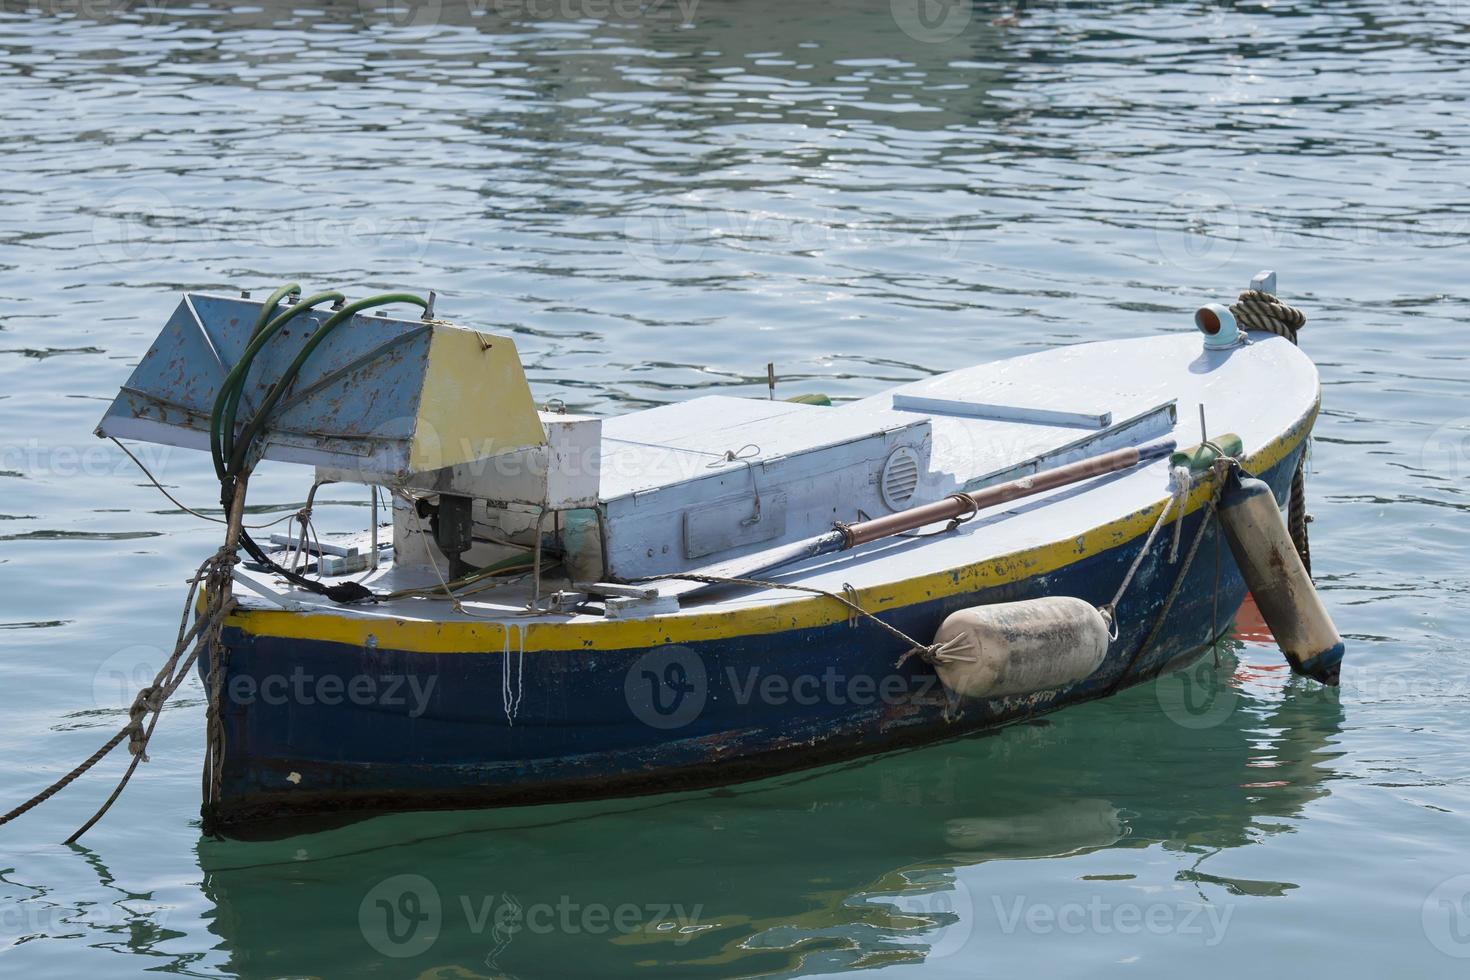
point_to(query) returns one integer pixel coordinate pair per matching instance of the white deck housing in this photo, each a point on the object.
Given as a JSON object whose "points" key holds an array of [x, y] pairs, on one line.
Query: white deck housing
{"points": [[672, 498]]}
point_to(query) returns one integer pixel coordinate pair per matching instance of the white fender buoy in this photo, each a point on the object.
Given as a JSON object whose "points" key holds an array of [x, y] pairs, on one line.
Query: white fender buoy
{"points": [[1274, 573], [1020, 647]]}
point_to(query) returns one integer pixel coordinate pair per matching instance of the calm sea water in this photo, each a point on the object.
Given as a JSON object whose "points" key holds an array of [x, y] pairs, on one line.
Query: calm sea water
{"points": [[657, 202]]}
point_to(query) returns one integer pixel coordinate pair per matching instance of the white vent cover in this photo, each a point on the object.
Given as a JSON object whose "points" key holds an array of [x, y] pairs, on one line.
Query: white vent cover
{"points": [[900, 478]]}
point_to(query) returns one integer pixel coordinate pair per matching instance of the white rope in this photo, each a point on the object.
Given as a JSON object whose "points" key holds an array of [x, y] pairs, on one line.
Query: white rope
{"points": [[1176, 499], [1181, 480]]}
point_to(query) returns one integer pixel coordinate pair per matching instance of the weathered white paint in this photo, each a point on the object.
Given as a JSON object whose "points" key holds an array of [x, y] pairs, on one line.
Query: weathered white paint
{"points": [[727, 476], [1005, 413], [1256, 391]]}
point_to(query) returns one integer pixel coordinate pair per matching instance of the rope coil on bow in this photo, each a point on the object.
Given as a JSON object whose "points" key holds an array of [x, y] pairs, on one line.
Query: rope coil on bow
{"points": [[1256, 310]]}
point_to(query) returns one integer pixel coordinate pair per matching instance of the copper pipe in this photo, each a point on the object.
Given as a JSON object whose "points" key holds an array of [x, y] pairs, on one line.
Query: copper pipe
{"points": [[960, 504]]}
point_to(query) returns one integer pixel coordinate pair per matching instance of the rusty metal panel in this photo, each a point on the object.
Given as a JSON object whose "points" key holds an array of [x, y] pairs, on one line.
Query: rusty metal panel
{"points": [[359, 403]]}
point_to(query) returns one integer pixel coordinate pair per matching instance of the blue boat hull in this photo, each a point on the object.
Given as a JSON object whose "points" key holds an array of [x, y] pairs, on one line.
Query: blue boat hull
{"points": [[314, 727]]}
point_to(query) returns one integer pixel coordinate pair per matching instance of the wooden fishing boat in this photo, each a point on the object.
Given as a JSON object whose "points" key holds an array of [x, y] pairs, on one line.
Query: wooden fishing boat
{"points": [[568, 607]]}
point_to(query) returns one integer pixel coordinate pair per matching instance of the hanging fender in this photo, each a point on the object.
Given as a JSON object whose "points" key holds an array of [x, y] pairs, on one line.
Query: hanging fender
{"points": [[1274, 573]]}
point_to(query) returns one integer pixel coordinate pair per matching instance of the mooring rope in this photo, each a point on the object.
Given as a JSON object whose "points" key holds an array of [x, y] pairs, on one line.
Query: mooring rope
{"points": [[1211, 517], [1256, 310], [1176, 501], [854, 609], [215, 577], [204, 633]]}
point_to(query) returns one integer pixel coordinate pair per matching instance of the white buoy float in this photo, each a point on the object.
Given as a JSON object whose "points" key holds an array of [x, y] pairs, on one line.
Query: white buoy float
{"points": [[1020, 647], [1278, 580]]}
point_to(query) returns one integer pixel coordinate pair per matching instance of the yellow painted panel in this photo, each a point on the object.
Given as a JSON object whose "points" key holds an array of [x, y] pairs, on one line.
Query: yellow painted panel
{"points": [[475, 402]]}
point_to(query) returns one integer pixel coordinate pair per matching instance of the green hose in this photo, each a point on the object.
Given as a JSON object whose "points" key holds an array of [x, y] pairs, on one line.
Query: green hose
{"points": [[231, 455], [227, 403], [274, 300], [256, 424], [267, 308]]}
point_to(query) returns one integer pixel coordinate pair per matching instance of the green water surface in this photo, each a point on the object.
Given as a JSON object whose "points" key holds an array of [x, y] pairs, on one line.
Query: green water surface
{"points": [[657, 200]]}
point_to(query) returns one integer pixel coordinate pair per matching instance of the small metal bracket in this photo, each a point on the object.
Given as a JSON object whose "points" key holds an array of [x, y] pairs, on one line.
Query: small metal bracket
{"points": [[565, 601], [1264, 282], [265, 592], [620, 608], [618, 590]]}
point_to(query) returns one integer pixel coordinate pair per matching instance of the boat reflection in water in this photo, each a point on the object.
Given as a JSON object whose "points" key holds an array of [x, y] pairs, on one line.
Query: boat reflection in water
{"points": [[886, 860]]}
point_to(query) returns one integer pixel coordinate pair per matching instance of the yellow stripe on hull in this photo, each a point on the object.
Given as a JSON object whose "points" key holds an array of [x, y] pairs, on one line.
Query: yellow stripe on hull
{"points": [[439, 637]]}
